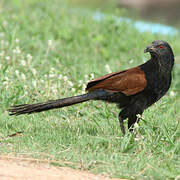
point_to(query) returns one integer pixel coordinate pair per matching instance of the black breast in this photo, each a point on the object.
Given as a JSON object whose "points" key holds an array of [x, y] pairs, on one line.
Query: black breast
{"points": [[158, 81]]}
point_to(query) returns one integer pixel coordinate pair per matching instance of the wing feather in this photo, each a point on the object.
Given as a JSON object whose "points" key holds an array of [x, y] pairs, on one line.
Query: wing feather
{"points": [[128, 82]]}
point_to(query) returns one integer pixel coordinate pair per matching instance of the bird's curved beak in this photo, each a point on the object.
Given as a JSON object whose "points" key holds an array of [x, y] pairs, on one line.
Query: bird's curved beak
{"points": [[149, 49]]}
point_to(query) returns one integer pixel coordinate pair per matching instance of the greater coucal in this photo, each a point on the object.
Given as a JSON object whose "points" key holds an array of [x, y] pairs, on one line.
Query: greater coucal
{"points": [[133, 90]]}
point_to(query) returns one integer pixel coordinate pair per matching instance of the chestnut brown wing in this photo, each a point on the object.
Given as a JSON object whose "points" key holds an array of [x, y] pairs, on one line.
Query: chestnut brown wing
{"points": [[128, 82]]}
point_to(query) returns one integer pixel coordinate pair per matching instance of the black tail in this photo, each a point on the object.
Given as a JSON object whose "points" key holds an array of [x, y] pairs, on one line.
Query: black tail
{"points": [[34, 108]]}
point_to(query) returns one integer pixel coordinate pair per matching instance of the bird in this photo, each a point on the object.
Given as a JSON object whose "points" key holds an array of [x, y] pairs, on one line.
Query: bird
{"points": [[132, 90]]}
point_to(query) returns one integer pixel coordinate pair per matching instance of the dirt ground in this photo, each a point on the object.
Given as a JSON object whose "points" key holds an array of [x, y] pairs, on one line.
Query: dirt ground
{"points": [[12, 168]]}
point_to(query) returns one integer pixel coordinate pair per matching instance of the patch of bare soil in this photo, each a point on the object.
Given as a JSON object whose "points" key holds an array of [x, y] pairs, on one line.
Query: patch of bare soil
{"points": [[14, 168]]}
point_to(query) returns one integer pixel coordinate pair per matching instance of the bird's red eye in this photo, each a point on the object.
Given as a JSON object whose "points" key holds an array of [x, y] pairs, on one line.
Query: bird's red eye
{"points": [[161, 47]]}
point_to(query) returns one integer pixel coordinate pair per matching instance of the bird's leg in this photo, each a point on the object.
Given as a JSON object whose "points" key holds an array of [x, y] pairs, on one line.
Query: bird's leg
{"points": [[121, 121]]}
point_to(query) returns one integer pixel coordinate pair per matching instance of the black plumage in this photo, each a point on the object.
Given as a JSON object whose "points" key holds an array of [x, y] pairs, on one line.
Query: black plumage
{"points": [[133, 90]]}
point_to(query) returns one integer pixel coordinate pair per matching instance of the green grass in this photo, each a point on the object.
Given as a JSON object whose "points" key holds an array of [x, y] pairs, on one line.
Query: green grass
{"points": [[66, 49]]}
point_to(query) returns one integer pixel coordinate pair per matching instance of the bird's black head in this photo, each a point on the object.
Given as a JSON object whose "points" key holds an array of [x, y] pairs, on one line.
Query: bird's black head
{"points": [[162, 55], [159, 48]]}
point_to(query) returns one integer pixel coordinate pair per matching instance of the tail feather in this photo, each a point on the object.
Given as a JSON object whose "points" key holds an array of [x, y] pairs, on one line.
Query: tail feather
{"points": [[39, 107]]}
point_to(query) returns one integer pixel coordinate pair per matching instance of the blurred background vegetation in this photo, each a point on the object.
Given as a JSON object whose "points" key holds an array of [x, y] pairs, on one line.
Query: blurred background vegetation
{"points": [[50, 49], [163, 11]]}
